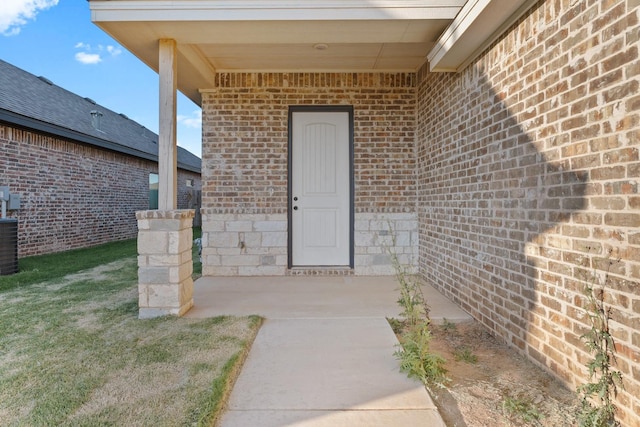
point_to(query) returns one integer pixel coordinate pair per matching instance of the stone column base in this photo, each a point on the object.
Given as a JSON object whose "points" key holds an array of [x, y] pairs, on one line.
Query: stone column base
{"points": [[165, 267]]}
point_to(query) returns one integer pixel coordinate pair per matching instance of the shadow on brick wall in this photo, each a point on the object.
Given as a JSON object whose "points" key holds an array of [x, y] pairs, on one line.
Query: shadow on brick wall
{"points": [[489, 205]]}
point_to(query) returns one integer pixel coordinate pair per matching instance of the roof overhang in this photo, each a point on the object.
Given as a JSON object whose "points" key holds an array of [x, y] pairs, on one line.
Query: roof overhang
{"points": [[215, 36], [479, 23]]}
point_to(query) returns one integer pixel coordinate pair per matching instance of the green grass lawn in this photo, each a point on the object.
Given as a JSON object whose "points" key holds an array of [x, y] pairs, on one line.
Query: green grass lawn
{"points": [[39, 268], [73, 352]]}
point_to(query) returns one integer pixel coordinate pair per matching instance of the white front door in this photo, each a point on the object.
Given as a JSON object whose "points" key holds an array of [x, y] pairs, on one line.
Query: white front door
{"points": [[320, 189]]}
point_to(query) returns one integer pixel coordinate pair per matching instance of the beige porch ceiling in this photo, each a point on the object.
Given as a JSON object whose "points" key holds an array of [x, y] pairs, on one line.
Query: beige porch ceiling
{"points": [[216, 36]]}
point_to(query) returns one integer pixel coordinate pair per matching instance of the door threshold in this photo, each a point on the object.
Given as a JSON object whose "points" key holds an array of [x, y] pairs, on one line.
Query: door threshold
{"points": [[320, 271]]}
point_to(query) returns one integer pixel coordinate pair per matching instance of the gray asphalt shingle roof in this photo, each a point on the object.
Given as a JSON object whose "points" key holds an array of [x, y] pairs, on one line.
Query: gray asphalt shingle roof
{"points": [[35, 102]]}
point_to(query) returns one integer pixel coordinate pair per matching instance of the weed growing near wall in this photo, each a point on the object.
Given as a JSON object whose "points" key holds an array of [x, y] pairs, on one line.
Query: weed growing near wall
{"points": [[465, 354], [597, 396], [521, 409], [414, 334]]}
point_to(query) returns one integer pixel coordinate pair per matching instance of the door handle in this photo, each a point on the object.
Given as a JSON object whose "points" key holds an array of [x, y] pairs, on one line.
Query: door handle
{"points": [[295, 199], [295, 208]]}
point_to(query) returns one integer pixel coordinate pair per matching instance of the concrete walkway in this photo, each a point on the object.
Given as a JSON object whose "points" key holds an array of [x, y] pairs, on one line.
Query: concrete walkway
{"points": [[324, 356]]}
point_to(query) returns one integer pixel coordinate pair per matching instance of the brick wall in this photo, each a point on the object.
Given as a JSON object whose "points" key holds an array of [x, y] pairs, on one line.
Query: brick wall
{"points": [[245, 137], [528, 176], [74, 195], [245, 128]]}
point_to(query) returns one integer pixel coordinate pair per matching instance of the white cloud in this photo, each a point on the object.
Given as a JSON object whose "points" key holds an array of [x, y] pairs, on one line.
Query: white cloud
{"points": [[193, 121], [16, 13], [114, 50], [88, 58]]}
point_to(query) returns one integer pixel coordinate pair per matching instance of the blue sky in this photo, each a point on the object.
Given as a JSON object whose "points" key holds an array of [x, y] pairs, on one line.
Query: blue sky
{"points": [[56, 39]]}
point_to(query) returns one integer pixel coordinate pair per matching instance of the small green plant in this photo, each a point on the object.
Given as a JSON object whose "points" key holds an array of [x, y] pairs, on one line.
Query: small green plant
{"points": [[522, 408], [414, 306], [465, 354], [448, 326], [597, 396], [397, 325], [416, 360]]}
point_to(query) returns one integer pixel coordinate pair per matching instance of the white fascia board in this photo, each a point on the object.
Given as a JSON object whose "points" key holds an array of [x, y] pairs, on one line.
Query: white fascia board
{"points": [[271, 10], [479, 23]]}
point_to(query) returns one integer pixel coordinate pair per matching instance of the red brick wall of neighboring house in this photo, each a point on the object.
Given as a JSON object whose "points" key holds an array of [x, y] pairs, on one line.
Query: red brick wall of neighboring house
{"points": [[245, 138], [528, 178], [74, 195]]}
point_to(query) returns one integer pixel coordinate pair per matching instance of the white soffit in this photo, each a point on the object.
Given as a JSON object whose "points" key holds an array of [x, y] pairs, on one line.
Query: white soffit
{"points": [[214, 36], [479, 23]]}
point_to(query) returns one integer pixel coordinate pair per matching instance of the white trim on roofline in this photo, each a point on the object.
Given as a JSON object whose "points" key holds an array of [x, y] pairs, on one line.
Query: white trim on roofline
{"points": [[266, 10], [479, 23]]}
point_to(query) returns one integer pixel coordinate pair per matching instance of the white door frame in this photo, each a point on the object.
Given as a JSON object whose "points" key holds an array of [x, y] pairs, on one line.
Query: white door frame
{"points": [[320, 109]]}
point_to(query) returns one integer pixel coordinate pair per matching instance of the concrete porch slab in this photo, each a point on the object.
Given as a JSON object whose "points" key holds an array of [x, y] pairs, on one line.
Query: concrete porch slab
{"points": [[286, 297]]}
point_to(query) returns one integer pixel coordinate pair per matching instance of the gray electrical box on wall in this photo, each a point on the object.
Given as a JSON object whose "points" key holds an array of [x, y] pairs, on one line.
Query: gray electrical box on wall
{"points": [[8, 201], [8, 233], [14, 202]]}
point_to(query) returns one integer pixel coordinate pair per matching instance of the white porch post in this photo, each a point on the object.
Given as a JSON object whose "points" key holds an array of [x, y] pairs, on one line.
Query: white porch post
{"points": [[165, 236], [167, 143]]}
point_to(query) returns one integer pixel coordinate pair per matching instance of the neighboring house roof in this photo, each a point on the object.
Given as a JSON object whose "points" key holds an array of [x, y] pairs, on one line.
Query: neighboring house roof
{"points": [[36, 103]]}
